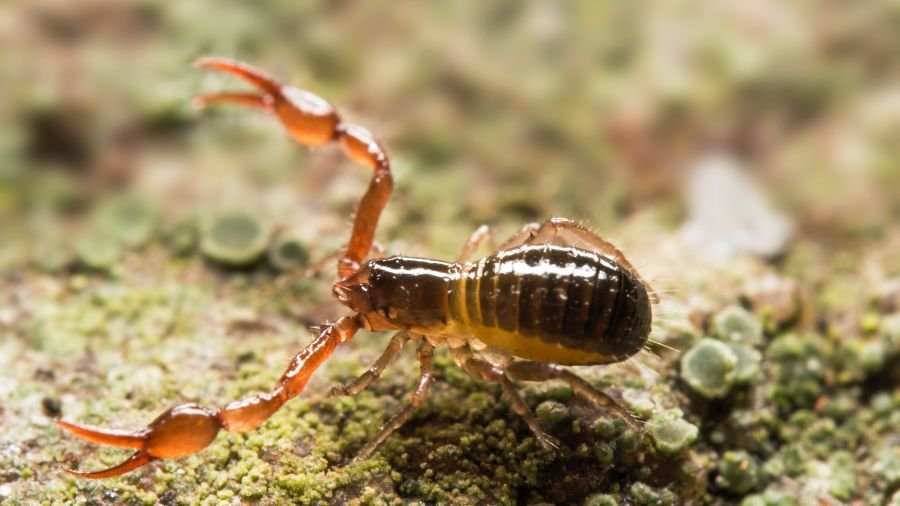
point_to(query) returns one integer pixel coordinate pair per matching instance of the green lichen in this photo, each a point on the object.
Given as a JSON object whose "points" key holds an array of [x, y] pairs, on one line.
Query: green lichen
{"points": [[236, 239], [739, 472], [183, 237], [843, 477], [747, 367], [98, 250], [288, 252], [735, 323], [552, 413], [645, 495], [129, 219], [601, 500], [671, 433], [769, 498], [709, 368]]}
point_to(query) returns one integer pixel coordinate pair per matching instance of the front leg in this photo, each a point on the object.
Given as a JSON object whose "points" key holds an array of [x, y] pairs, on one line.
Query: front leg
{"points": [[424, 354], [189, 428], [359, 384]]}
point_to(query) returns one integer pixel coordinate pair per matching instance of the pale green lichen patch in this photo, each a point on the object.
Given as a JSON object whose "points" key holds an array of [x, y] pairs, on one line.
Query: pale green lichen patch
{"points": [[735, 323], [129, 219], [747, 367], [738, 472], [709, 368], [234, 238], [671, 432]]}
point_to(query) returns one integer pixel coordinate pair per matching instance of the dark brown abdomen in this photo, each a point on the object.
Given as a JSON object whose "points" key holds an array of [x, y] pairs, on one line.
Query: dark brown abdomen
{"points": [[559, 295]]}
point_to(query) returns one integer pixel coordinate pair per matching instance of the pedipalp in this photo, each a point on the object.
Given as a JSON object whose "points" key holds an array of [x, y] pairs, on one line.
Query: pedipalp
{"points": [[312, 121], [189, 428]]}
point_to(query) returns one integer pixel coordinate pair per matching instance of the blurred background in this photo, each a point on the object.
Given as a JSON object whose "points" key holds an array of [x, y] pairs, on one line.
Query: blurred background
{"points": [[501, 113], [694, 134]]}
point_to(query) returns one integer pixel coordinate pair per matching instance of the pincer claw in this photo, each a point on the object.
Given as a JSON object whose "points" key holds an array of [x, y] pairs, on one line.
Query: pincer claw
{"points": [[180, 431]]}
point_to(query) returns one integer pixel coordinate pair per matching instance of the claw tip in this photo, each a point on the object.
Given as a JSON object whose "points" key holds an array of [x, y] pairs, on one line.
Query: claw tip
{"points": [[214, 62], [202, 62], [136, 460], [74, 472]]}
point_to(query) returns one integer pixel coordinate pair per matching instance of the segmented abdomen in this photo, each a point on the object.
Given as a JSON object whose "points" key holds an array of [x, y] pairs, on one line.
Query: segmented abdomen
{"points": [[559, 295]]}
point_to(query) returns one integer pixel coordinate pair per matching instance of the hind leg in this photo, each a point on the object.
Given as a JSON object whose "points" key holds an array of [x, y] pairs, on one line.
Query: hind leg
{"points": [[485, 371], [565, 232], [523, 236], [481, 235], [537, 371]]}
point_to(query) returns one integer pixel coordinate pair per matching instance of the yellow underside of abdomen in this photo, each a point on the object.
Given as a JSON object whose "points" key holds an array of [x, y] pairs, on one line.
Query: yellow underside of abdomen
{"points": [[532, 348]]}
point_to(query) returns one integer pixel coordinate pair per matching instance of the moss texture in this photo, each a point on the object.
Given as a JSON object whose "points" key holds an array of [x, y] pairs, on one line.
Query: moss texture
{"points": [[501, 113]]}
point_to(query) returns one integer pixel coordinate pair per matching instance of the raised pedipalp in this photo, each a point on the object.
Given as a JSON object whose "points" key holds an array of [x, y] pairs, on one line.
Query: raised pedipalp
{"points": [[313, 121], [253, 75], [248, 99]]}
